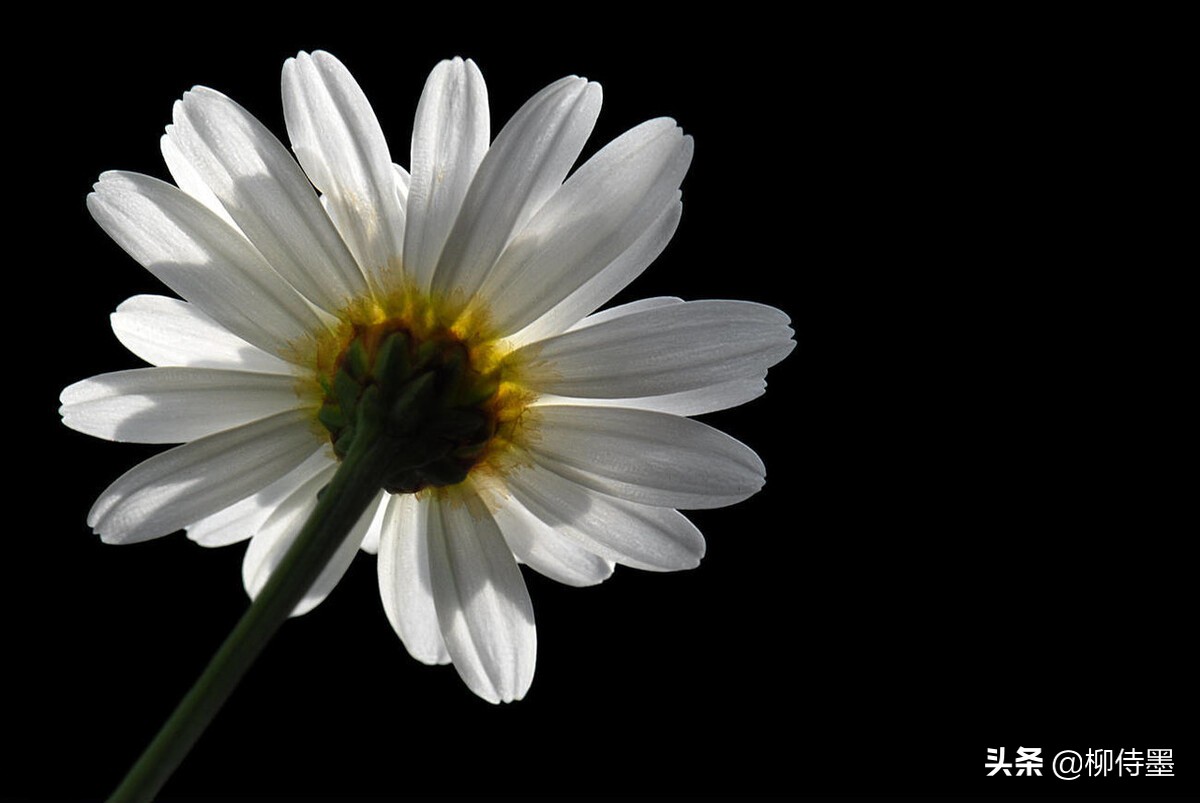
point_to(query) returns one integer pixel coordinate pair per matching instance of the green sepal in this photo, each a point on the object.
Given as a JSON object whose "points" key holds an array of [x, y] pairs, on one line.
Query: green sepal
{"points": [[451, 374], [460, 425], [345, 439], [412, 404], [392, 363], [346, 391], [479, 391], [356, 361], [425, 353], [443, 472], [413, 453], [332, 416]]}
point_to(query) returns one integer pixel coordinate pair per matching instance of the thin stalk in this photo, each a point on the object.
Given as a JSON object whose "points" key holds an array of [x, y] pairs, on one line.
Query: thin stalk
{"points": [[342, 503]]}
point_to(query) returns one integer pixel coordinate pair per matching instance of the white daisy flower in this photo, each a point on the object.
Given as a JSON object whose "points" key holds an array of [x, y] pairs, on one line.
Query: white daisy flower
{"points": [[459, 295]]}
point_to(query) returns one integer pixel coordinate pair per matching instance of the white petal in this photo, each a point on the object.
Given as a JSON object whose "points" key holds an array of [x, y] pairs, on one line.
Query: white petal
{"points": [[403, 180], [482, 605], [241, 520], [198, 479], [688, 402], [173, 405], [277, 534], [404, 583], [197, 255], [647, 457], [188, 180], [524, 166], [268, 195], [450, 137], [708, 399], [608, 282], [662, 350], [337, 138], [641, 536], [547, 550], [169, 332], [370, 543], [597, 215], [621, 310]]}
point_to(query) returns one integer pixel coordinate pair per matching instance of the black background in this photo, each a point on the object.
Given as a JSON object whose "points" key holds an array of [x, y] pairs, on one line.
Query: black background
{"points": [[973, 532]]}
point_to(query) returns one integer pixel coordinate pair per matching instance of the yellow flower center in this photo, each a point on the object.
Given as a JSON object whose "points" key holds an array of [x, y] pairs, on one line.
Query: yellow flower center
{"points": [[449, 397]]}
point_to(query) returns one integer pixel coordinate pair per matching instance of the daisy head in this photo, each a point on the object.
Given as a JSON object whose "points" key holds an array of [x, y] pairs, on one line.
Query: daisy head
{"points": [[445, 313]]}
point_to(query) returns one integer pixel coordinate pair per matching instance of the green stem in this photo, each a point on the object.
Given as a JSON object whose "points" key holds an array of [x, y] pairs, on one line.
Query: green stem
{"points": [[341, 505]]}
